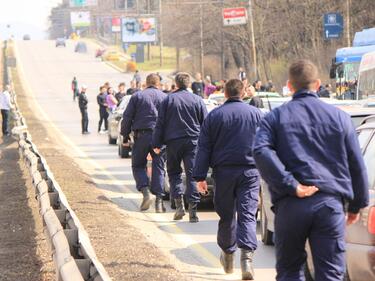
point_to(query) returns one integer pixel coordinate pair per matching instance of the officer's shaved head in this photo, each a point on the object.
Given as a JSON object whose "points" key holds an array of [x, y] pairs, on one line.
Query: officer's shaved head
{"points": [[152, 80], [182, 80], [234, 88], [303, 74]]}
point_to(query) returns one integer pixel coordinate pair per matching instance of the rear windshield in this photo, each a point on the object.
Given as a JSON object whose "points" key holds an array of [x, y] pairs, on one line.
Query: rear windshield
{"points": [[369, 157]]}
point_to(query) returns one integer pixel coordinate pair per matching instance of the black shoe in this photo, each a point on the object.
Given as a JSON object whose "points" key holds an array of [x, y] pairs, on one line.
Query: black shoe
{"points": [[193, 218], [86, 133], [146, 202], [247, 264], [227, 261], [159, 205], [180, 209]]}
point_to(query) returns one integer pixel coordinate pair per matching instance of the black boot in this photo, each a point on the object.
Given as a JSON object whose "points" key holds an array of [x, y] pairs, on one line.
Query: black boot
{"points": [[247, 264], [180, 209], [227, 261], [146, 203], [159, 205], [193, 212]]}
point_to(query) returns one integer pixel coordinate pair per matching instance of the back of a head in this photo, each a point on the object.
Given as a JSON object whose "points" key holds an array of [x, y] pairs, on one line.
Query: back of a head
{"points": [[302, 75], [152, 80], [182, 80], [234, 89]]}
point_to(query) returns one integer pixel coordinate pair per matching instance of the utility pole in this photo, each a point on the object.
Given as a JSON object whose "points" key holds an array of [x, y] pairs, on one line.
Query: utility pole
{"points": [[348, 36], [201, 38], [222, 46], [253, 47], [148, 44], [160, 33]]}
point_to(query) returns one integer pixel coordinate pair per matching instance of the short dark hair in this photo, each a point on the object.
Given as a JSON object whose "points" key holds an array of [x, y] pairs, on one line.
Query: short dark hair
{"points": [[234, 88], [302, 74], [152, 80], [182, 80], [122, 84]]}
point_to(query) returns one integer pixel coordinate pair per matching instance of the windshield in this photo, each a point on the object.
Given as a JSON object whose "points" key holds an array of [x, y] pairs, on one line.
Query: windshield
{"points": [[366, 86], [369, 157], [351, 70]]}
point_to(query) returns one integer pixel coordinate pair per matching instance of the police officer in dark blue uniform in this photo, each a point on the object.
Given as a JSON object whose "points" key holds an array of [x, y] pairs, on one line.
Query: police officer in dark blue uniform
{"points": [[140, 116], [180, 118], [225, 144], [308, 153]]}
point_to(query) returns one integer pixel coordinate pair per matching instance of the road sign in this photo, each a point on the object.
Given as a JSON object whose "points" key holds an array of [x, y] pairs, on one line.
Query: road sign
{"points": [[234, 16], [333, 25]]}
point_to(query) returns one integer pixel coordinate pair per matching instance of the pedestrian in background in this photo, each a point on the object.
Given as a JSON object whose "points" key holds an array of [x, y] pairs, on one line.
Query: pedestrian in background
{"points": [[137, 77], [111, 100], [242, 74], [5, 106], [75, 88], [132, 89], [308, 153], [254, 99], [209, 88], [198, 85], [140, 116], [103, 109], [82, 103], [181, 115], [236, 177], [121, 92]]}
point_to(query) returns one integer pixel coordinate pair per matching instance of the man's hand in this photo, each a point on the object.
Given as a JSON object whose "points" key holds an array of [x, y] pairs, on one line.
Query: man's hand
{"points": [[304, 191], [157, 151], [352, 218], [202, 187]]}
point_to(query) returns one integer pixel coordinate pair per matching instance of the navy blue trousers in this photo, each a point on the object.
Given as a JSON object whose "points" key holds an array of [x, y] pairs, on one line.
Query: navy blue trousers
{"points": [[141, 148], [236, 202], [321, 220], [182, 150]]}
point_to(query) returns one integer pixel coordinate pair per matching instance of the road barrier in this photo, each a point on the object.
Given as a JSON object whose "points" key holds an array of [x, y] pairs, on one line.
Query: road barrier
{"points": [[73, 255]]}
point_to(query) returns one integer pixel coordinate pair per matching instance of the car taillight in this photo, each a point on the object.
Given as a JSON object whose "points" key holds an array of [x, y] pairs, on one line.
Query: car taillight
{"points": [[371, 221]]}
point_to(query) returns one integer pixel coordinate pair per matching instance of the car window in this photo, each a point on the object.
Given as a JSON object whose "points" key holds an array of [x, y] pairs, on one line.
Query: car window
{"points": [[364, 136], [369, 157]]}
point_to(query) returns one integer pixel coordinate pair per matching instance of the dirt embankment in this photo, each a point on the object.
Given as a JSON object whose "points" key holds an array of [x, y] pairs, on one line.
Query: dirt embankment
{"points": [[124, 252]]}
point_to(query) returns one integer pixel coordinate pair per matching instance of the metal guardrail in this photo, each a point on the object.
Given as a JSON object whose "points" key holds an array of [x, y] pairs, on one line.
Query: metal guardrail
{"points": [[73, 255]]}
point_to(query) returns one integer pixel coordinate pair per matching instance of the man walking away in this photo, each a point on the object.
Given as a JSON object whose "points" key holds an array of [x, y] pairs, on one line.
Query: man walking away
{"points": [[225, 130], [198, 86], [82, 103], [181, 115], [140, 116], [5, 106], [308, 153], [75, 88], [103, 106]]}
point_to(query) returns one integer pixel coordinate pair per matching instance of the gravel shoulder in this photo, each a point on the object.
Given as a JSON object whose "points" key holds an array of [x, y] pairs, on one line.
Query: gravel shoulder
{"points": [[124, 251]]}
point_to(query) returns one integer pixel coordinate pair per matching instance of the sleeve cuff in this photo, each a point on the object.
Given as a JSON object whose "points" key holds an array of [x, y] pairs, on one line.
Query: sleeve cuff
{"points": [[353, 209]]}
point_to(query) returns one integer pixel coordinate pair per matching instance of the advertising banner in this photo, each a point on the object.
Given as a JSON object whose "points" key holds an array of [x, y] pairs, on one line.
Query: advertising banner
{"points": [[138, 30], [80, 19], [234, 16]]}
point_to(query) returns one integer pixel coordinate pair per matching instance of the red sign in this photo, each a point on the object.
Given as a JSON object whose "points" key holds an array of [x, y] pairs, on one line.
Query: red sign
{"points": [[116, 24], [234, 16]]}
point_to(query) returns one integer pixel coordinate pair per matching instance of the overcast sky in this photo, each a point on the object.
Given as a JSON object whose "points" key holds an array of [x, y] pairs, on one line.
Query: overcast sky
{"points": [[25, 16]]}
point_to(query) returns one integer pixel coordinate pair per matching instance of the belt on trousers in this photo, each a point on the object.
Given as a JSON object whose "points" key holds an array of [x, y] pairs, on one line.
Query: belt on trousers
{"points": [[142, 131]]}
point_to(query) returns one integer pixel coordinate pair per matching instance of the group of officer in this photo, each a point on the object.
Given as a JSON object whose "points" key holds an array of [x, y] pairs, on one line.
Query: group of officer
{"points": [[306, 151]]}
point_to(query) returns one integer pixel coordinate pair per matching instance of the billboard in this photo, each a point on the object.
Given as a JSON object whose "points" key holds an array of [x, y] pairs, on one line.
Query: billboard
{"points": [[82, 3], [234, 16], [138, 30], [80, 19]]}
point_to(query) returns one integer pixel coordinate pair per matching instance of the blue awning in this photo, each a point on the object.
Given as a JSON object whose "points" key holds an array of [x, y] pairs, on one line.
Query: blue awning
{"points": [[353, 54]]}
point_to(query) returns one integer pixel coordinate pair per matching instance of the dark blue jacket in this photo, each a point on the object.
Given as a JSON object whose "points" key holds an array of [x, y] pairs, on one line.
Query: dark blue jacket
{"points": [[227, 138], [181, 115], [310, 142], [142, 110]]}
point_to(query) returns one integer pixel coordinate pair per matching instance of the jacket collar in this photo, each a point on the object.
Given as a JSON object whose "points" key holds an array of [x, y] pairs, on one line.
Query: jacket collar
{"points": [[304, 93], [233, 100]]}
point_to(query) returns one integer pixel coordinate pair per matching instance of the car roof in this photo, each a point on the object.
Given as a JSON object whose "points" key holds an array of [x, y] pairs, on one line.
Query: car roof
{"points": [[368, 123]]}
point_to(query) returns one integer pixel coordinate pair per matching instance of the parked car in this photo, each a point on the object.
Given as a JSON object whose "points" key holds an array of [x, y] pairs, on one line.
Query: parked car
{"points": [[217, 99], [114, 120], [80, 47], [60, 42]]}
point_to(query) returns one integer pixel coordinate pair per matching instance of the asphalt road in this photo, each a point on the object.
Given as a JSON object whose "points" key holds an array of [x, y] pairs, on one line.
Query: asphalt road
{"points": [[47, 73]]}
